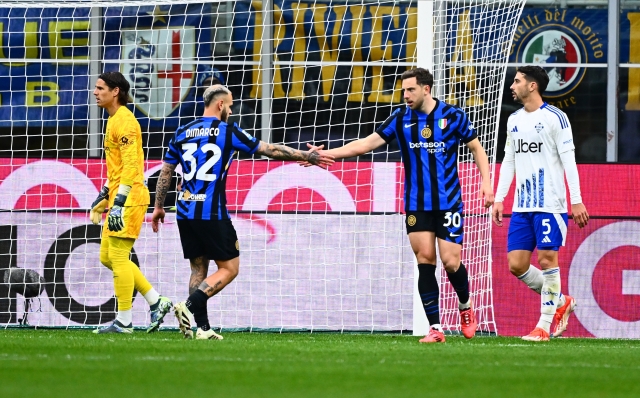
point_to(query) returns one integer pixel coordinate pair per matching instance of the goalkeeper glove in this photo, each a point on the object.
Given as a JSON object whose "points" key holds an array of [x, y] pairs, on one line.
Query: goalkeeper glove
{"points": [[115, 220], [99, 205]]}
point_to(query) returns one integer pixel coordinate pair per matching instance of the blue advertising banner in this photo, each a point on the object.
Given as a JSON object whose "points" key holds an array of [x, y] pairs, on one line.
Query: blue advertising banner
{"points": [[58, 92], [41, 92], [152, 47]]}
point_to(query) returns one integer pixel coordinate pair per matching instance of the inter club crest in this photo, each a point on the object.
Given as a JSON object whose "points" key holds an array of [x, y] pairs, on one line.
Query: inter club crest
{"points": [[155, 61]]}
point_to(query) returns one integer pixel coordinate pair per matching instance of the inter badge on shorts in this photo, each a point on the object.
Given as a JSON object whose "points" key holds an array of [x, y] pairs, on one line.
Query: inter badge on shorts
{"points": [[411, 220], [426, 132]]}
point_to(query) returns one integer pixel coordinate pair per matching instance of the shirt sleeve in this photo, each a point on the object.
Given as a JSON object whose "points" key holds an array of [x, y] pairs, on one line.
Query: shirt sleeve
{"points": [[243, 141], [573, 180], [563, 134], [507, 169], [130, 150], [172, 156], [465, 129], [387, 129]]}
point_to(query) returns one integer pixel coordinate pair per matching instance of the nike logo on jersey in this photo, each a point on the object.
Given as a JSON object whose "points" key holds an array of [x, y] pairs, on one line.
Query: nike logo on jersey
{"points": [[454, 235], [406, 126]]}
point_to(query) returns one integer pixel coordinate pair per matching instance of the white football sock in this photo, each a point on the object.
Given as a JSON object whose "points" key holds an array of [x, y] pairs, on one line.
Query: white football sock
{"points": [[437, 327], [152, 296], [550, 295], [124, 317], [464, 306], [533, 278]]}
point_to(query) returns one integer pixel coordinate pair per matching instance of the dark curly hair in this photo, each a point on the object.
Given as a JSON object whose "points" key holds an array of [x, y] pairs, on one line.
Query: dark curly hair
{"points": [[535, 74], [422, 75]]}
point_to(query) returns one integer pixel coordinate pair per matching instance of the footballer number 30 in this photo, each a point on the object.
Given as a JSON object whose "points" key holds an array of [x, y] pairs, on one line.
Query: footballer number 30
{"points": [[452, 219]]}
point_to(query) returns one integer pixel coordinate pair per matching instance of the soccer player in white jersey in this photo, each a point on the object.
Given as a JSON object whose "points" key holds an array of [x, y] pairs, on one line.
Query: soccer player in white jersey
{"points": [[540, 152]]}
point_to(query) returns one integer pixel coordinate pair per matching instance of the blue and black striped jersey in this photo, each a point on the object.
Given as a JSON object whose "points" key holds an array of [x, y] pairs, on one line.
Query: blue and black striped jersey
{"points": [[429, 147], [205, 148]]}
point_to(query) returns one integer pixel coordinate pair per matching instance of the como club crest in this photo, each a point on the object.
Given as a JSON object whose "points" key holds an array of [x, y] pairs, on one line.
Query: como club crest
{"points": [[556, 47], [155, 61]]}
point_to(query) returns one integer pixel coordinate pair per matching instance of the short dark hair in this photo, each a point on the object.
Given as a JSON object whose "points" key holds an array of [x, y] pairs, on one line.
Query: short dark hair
{"points": [[422, 75], [535, 74], [116, 79], [213, 92]]}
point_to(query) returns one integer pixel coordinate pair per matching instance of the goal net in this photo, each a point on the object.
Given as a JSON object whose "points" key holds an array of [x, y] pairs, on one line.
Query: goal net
{"points": [[320, 250]]}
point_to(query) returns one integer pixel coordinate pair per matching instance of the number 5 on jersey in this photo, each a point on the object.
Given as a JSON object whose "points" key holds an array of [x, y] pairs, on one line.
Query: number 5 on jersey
{"points": [[203, 172]]}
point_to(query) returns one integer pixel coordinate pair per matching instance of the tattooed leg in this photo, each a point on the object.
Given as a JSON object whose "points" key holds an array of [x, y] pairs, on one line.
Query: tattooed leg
{"points": [[199, 270], [227, 271]]}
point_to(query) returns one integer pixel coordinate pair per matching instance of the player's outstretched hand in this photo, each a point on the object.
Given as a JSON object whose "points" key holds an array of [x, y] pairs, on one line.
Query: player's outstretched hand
{"points": [[580, 215], [318, 157], [486, 192], [496, 214], [158, 215]]}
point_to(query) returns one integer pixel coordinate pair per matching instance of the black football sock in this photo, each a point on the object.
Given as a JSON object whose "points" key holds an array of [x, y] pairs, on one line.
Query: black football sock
{"points": [[197, 304], [429, 292], [460, 282]]}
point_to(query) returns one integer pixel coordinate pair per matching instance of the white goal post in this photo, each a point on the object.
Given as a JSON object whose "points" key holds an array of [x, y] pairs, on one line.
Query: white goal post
{"points": [[320, 250]]}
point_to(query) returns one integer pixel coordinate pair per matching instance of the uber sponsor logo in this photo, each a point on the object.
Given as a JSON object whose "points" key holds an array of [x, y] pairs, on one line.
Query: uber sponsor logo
{"points": [[523, 147], [431, 147], [186, 195]]}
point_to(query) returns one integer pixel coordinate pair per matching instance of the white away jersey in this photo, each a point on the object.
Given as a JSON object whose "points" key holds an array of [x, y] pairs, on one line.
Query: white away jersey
{"points": [[535, 141]]}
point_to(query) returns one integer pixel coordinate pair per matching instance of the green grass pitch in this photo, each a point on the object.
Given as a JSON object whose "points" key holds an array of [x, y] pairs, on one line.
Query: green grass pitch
{"points": [[77, 363]]}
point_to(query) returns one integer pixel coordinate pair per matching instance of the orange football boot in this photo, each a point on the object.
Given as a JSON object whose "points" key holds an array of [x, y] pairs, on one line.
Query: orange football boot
{"points": [[562, 316], [468, 322], [434, 336], [538, 334]]}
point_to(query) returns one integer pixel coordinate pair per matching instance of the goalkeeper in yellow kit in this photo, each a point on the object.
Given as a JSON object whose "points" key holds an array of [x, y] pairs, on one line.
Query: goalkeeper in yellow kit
{"points": [[127, 196]]}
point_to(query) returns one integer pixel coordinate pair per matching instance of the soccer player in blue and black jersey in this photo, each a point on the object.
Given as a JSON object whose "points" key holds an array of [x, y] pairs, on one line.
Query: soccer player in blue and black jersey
{"points": [[429, 132], [205, 149]]}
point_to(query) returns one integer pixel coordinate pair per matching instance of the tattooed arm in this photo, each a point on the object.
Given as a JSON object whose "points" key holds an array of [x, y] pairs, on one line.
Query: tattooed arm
{"points": [[164, 180], [282, 152]]}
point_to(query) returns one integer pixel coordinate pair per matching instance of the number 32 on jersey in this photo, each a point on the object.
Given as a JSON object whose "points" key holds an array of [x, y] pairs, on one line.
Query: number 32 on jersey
{"points": [[204, 171]]}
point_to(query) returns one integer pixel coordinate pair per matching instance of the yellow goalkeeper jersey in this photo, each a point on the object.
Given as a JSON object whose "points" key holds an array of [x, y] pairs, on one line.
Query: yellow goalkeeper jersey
{"points": [[125, 159]]}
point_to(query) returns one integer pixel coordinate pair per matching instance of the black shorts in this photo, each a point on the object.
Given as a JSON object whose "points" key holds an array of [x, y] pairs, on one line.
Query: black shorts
{"points": [[448, 225], [213, 239]]}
